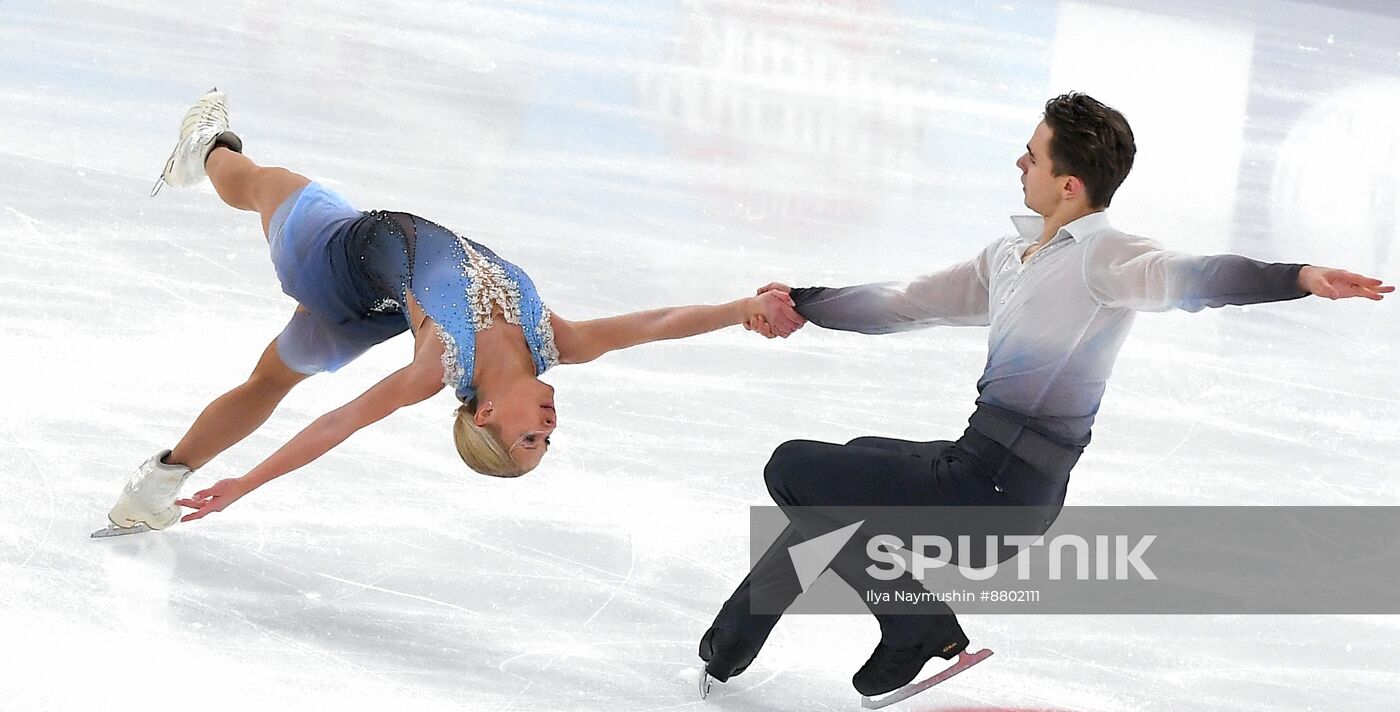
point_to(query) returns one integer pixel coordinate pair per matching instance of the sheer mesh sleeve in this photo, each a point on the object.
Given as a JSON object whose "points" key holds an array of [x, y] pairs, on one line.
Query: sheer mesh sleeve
{"points": [[954, 296], [1136, 273]]}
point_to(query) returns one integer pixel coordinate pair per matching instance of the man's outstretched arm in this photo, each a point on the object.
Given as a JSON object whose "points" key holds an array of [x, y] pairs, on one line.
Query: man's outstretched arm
{"points": [[955, 296], [1136, 273]]}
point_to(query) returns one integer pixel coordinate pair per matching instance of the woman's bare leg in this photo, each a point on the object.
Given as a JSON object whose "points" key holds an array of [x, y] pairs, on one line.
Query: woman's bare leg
{"points": [[236, 414], [247, 186]]}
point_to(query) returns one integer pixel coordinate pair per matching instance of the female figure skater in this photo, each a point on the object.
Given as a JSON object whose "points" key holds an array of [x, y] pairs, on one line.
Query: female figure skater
{"points": [[359, 278]]}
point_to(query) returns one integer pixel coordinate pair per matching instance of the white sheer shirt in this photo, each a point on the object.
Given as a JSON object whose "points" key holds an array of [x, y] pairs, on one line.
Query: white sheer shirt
{"points": [[1059, 318]]}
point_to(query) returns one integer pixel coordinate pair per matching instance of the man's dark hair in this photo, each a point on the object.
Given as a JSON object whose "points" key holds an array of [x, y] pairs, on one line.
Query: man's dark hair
{"points": [[1092, 142]]}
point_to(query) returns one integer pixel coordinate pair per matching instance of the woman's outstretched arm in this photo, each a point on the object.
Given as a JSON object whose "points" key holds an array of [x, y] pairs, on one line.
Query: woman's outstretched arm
{"points": [[406, 386], [583, 341]]}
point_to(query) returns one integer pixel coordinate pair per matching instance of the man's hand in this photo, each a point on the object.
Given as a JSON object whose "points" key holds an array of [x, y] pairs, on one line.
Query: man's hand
{"points": [[221, 494], [772, 313], [1340, 284]]}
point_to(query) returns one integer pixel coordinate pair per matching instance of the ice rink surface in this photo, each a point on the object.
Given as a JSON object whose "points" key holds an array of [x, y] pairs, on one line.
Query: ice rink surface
{"points": [[633, 155]]}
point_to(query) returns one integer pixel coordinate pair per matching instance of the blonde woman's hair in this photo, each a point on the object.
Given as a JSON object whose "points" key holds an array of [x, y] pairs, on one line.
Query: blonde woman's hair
{"points": [[480, 447]]}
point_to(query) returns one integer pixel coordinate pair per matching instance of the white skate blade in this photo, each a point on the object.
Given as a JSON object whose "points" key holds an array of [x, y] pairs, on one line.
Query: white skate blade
{"points": [[114, 530], [965, 661], [705, 681]]}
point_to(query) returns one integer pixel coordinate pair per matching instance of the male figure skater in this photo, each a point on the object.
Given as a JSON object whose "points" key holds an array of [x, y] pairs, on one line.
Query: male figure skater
{"points": [[1060, 297]]}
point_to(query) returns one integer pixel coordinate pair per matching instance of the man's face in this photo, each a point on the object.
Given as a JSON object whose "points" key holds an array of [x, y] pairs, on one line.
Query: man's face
{"points": [[1042, 188]]}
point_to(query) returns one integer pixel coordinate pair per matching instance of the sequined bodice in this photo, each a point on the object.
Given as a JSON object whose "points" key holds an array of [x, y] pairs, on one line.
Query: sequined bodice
{"points": [[460, 284], [491, 288]]}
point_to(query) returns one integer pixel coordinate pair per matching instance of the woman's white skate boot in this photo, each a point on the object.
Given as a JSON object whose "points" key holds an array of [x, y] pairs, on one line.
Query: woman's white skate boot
{"points": [[148, 500], [200, 130]]}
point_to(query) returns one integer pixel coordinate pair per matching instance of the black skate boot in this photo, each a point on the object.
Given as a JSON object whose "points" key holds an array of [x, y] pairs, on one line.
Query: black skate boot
{"points": [[725, 653], [893, 666]]}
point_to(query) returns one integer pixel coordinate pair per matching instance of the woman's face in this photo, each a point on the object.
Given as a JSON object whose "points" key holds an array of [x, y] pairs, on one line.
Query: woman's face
{"points": [[524, 416]]}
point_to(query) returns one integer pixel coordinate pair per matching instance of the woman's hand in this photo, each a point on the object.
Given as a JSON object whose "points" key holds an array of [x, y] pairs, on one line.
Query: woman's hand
{"points": [[214, 499], [1340, 284], [773, 313]]}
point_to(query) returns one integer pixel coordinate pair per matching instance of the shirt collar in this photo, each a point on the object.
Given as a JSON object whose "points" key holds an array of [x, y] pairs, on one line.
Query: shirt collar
{"points": [[1029, 227]]}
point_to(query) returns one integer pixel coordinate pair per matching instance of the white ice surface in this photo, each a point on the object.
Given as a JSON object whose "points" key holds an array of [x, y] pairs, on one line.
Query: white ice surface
{"points": [[633, 155]]}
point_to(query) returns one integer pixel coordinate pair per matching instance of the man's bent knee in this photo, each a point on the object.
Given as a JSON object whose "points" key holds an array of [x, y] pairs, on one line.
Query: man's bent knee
{"points": [[785, 466], [867, 441]]}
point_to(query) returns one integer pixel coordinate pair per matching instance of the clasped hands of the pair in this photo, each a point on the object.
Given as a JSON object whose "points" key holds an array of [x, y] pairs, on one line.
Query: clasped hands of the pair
{"points": [[772, 312]]}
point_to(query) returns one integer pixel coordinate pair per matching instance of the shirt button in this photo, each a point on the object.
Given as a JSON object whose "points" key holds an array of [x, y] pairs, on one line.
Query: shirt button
{"points": [[998, 488]]}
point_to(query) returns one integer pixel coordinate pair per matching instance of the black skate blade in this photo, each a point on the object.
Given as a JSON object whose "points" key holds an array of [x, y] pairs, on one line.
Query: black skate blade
{"points": [[965, 661], [113, 530]]}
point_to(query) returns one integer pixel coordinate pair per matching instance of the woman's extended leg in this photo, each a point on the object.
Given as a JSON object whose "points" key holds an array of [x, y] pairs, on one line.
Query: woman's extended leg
{"points": [[236, 414], [149, 496], [245, 185]]}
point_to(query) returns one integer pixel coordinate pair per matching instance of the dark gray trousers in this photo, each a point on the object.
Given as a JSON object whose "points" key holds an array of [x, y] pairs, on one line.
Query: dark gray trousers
{"points": [[878, 472]]}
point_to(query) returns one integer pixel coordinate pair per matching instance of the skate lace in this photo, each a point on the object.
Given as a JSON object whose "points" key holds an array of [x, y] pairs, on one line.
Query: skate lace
{"points": [[213, 116]]}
